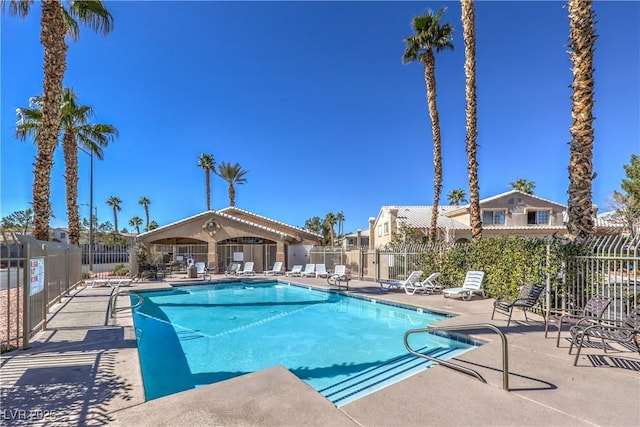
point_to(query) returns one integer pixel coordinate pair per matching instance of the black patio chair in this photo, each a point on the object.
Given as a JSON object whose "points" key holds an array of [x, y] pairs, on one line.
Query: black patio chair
{"points": [[621, 331], [593, 310], [527, 298]]}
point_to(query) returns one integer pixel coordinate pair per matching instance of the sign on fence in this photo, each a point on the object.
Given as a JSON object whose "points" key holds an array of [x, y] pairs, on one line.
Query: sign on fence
{"points": [[37, 276]]}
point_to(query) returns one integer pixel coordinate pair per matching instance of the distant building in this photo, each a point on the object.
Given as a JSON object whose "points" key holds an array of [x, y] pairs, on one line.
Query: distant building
{"points": [[359, 239], [59, 235]]}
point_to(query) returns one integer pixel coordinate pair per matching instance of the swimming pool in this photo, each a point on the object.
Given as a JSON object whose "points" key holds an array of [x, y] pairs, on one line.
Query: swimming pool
{"points": [[342, 346]]}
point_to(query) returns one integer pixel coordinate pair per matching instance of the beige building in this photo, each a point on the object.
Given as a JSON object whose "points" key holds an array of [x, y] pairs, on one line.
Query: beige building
{"points": [[512, 213], [222, 237]]}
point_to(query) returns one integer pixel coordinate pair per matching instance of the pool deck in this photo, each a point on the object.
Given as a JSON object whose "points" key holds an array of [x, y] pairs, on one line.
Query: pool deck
{"points": [[83, 370]]}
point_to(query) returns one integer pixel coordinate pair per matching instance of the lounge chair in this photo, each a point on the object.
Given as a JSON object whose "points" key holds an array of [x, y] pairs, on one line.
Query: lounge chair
{"points": [[201, 269], [429, 285], [277, 266], [212, 267], [626, 331], [472, 285], [338, 276], [295, 271], [248, 269], [409, 284], [233, 268], [309, 270], [528, 297], [321, 270], [593, 309]]}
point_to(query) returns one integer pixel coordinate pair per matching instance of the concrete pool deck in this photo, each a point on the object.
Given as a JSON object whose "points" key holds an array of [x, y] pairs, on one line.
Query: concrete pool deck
{"points": [[83, 370]]}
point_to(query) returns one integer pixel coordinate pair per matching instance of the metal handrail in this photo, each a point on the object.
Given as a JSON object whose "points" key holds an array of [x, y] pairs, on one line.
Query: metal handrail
{"points": [[464, 369], [114, 297]]}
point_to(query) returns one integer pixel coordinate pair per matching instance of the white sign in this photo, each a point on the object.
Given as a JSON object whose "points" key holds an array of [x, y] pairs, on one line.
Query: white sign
{"points": [[238, 256], [37, 276]]}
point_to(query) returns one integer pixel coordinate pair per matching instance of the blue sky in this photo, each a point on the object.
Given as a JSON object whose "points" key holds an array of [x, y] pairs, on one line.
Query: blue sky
{"points": [[313, 100]]}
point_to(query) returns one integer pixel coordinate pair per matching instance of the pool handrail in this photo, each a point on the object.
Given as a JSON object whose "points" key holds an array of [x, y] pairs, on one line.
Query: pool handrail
{"points": [[114, 297], [463, 369]]}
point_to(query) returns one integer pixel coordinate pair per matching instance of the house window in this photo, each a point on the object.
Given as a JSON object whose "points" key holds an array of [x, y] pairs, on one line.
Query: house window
{"points": [[538, 217], [493, 217], [386, 228], [63, 235]]}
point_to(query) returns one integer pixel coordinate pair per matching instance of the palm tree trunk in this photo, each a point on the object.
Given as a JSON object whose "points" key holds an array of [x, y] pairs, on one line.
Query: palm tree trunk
{"points": [[469, 33], [207, 181], [71, 180], [582, 42], [55, 56], [115, 218], [146, 213], [232, 195], [430, 80]]}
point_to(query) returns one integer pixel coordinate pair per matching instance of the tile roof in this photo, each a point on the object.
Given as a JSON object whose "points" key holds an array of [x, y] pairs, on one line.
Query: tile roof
{"points": [[420, 217]]}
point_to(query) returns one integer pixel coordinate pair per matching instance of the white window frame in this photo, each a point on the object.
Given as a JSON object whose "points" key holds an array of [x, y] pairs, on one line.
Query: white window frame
{"points": [[537, 221], [493, 218]]}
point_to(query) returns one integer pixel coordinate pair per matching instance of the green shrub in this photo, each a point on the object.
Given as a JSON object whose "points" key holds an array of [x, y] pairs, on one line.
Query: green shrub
{"points": [[120, 270]]}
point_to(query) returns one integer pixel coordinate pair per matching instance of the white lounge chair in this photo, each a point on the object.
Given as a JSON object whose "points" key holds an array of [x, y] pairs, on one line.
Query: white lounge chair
{"points": [[339, 275], [295, 271], [233, 268], [429, 285], [248, 269], [201, 270], [409, 284], [277, 266], [472, 285], [321, 270], [309, 270]]}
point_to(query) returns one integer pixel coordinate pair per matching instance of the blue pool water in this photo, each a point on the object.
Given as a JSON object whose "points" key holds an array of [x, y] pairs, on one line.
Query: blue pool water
{"points": [[344, 347]]}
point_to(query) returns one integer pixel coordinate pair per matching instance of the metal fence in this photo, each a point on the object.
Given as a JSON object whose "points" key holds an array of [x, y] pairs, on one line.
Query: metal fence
{"points": [[102, 260], [34, 275]]}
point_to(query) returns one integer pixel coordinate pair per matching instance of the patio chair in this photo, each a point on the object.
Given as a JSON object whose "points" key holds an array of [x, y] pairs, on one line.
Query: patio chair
{"points": [[429, 285], [212, 267], [321, 270], [593, 309], [201, 269], [527, 298], [248, 269], [295, 271], [233, 268], [472, 285], [409, 284], [309, 270], [626, 331], [338, 276], [277, 266]]}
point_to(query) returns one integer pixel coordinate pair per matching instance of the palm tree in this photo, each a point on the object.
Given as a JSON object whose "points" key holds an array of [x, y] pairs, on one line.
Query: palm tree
{"points": [[233, 174], [55, 22], [340, 220], [430, 35], [457, 196], [329, 222], [208, 164], [145, 202], [314, 225], [469, 34], [114, 202], [153, 225], [582, 38], [76, 129], [523, 185], [136, 221]]}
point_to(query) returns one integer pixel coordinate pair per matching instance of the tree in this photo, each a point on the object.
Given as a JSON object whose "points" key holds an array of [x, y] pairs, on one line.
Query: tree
{"points": [[430, 35], [340, 220], [234, 175], [76, 129], [114, 202], [626, 204], [208, 164], [523, 185], [153, 225], [314, 225], [145, 202], [457, 196], [20, 221], [328, 224], [55, 22], [582, 39], [136, 222]]}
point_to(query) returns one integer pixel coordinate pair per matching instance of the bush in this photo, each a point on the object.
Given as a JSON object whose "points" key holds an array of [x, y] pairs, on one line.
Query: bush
{"points": [[120, 270]]}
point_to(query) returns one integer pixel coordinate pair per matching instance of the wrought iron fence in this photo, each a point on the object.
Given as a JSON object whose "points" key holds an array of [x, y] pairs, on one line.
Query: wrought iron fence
{"points": [[103, 260], [34, 275]]}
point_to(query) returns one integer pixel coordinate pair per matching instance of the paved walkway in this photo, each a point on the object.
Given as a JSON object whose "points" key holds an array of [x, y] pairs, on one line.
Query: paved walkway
{"points": [[83, 370]]}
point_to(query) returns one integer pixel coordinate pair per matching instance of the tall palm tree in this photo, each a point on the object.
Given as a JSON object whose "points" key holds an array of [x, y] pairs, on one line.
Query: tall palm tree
{"points": [[457, 196], [208, 164], [329, 223], [469, 35], [582, 39], [233, 174], [76, 129], [145, 202], [340, 220], [55, 22], [136, 222], [430, 35], [523, 185], [114, 202]]}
